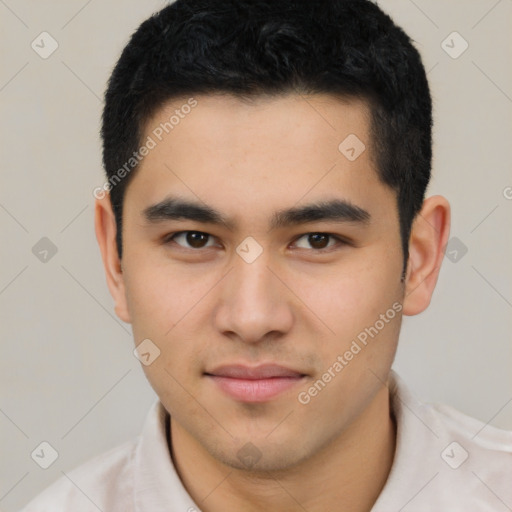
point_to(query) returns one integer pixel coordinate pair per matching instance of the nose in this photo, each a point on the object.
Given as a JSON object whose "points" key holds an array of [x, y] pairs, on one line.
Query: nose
{"points": [[254, 303]]}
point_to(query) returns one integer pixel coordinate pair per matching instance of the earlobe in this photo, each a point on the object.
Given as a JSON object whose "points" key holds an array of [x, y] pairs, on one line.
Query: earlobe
{"points": [[429, 236], [105, 227]]}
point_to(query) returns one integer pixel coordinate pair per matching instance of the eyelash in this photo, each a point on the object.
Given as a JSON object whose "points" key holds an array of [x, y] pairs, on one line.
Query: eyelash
{"points": [[341, 241]]}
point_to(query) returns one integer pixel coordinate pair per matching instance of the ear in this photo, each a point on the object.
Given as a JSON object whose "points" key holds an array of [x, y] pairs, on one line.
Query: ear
{"points": [[427, 243], [105, 225]]}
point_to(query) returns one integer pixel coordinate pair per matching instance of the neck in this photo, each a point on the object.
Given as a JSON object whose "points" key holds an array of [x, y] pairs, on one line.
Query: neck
{"points": [[349, 473]]}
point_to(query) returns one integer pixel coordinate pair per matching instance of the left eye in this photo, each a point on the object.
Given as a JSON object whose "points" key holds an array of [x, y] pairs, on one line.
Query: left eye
{"points": [[318, 241], [195, 239]]}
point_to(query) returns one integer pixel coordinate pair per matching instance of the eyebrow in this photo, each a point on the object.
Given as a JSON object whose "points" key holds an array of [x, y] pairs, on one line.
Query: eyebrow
{"points": [[337, 210]]}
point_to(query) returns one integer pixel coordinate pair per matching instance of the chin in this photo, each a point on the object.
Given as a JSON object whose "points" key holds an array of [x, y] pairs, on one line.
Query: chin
{"points": [[260, 455]]}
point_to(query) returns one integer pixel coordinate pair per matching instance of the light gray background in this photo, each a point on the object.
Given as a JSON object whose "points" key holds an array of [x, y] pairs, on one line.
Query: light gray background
{"points": [[68, 375]]}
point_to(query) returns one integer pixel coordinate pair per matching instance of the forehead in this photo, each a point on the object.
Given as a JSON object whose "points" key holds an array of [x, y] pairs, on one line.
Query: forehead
{"points": [[259, 151], [226, 121]]}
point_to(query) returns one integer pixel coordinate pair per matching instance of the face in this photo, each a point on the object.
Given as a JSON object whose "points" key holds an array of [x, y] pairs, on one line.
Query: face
{"points": [[274, 327]]}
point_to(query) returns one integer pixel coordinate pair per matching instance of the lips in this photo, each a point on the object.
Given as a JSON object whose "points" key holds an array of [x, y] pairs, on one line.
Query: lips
{"points": [[266, 371], [254, 384]]}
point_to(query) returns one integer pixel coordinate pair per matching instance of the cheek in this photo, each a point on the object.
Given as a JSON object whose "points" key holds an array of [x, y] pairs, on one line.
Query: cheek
{"points": [[365, 315], [159, 297], [169, 306], [149, 303], [164, 307], [351, 297]]}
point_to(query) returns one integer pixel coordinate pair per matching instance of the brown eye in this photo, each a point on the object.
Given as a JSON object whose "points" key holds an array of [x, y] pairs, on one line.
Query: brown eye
{"points": [[194, 239], [317, 241]]}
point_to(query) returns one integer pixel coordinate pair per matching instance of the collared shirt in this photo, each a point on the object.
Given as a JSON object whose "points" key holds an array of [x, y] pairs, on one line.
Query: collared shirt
{"points": [[444, 461]]}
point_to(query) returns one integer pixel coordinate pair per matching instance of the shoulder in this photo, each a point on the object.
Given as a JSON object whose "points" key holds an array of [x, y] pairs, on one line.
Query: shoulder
{"points": [[445, 459], [477, 433], [475, 460], [447, 423], [103, 482], [483, 446]]}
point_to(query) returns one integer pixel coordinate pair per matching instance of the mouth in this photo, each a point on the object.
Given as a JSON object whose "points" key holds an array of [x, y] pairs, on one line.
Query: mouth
{"points": [[255, 384]]}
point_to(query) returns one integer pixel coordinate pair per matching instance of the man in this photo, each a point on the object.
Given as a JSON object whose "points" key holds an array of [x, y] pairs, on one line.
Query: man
{"points": [[263, 228]]}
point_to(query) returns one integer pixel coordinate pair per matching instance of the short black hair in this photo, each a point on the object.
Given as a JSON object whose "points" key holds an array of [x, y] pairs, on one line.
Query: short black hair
{"points": [[251, 48]]}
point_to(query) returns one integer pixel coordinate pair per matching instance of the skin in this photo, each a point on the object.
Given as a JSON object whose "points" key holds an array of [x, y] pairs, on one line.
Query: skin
{"points": [[295, 305]]}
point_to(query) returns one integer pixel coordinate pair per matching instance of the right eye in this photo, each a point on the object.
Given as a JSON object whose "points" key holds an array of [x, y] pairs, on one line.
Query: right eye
{"points": [[195, 239]]}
